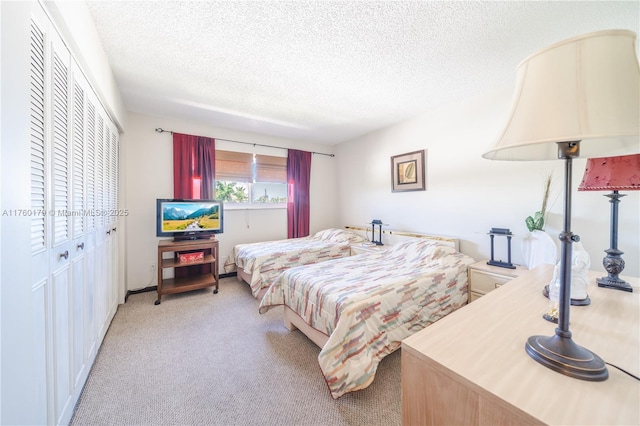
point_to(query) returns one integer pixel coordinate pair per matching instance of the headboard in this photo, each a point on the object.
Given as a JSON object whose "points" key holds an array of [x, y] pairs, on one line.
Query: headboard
{"points": [[392, 237]]}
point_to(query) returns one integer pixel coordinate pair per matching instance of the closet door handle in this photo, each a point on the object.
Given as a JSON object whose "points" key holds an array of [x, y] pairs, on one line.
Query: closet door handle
{"points": [[65, 255], [80, 246], [109, 232]]}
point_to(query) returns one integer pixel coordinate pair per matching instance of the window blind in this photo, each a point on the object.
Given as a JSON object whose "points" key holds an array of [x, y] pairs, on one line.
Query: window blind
{"points": [[238, 167], [271, 169], [234, 166]]}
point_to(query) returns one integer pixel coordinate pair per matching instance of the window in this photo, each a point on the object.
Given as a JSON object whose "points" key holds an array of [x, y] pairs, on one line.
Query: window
{"points": [[251, 179]]}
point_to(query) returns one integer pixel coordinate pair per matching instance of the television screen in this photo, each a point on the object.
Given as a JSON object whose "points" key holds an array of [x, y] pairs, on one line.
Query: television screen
{"points": [[189, 219]]}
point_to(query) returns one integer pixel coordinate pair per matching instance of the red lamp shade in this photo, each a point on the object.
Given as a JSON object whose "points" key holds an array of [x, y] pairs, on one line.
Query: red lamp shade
{"points": [[612, 174]]}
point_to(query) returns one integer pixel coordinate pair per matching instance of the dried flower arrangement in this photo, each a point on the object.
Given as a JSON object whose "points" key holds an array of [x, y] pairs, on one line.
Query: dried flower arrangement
{"points": [[537, 221]]}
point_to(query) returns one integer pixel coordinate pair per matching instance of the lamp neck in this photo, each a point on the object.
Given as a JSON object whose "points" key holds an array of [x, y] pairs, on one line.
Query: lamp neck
{"points": [[568, 149], [566, 240], [614, 196], [614, 199]]}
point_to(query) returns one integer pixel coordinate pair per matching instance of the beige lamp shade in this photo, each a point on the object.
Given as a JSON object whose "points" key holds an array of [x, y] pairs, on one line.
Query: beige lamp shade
{"points": [[583, 89]]}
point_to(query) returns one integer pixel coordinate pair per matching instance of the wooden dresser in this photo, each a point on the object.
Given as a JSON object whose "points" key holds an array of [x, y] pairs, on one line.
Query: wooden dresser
{"points": [[471, 368]]}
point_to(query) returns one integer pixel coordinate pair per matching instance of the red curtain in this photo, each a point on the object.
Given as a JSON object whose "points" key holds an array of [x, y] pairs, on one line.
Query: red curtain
{"points": [[194, 159], [298, 178]]}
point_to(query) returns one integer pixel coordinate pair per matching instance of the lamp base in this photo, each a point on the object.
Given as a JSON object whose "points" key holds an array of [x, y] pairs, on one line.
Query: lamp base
{"points": [[501, 264], [614, 283], [563, 355], [574, 302]]}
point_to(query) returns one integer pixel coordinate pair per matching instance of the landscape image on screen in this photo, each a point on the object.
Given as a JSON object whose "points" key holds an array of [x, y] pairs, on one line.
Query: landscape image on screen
{"points": [[186, 217]]}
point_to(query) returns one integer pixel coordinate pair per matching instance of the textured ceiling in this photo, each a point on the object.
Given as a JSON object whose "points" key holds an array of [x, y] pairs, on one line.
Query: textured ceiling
{"points": [[327, 71]]}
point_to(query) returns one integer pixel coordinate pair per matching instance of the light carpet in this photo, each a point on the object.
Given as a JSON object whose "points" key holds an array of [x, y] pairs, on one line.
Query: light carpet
{"points": [[201, 358]]}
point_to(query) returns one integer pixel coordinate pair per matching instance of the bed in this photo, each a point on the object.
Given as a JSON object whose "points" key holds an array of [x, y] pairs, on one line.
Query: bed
{"points": [[359, 309], [259, 264]]}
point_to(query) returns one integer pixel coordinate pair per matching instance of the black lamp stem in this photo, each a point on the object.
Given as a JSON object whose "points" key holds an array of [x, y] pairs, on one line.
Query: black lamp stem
{"points": [[566, 248], [614, 199], [613, 262], [559, 352]]}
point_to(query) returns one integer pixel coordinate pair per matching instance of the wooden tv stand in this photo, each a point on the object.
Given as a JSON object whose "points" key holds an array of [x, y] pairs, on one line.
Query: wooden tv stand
{"points": [[193, 281]]}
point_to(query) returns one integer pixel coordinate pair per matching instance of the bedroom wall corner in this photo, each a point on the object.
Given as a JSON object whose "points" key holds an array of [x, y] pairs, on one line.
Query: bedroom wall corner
{"points": [[467, 195]]}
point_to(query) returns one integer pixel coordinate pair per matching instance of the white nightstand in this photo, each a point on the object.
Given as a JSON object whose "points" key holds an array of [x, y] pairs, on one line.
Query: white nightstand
{"points": [[366, 248], [484, 278]]}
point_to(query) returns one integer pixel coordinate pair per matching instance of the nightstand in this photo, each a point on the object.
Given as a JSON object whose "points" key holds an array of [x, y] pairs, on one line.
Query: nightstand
{"points": [[366, 248], [484, 278]]}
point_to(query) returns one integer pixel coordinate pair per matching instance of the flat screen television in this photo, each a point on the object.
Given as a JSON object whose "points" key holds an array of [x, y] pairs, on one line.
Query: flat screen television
{"points": [[189, 219]]}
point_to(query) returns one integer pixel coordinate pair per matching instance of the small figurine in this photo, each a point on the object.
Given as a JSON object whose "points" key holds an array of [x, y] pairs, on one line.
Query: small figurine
{"points": [[580, 264]]}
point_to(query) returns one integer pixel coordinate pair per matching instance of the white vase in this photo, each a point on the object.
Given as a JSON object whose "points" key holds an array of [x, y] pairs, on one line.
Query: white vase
{"points": [[538, 247]]}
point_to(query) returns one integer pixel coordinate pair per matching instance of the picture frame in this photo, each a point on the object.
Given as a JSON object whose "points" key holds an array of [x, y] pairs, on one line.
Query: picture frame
{"points": [[408, 172]]}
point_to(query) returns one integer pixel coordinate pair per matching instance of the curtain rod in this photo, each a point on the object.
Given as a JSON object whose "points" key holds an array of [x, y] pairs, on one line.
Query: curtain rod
{"points": [[161, 130]]}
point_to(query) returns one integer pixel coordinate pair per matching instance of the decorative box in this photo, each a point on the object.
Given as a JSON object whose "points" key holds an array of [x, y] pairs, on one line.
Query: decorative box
{"points": [[191, 257]]}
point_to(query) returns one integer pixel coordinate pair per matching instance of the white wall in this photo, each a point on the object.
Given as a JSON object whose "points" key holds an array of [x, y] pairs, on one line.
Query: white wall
{"points": [[147, 174], [467, 195]]}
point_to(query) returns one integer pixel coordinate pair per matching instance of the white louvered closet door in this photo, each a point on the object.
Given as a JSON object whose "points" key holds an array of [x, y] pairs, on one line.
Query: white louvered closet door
{"points": [[39, 221], [90, 319], [50, 186], [72, 171], [102, 268], [115, 215], [80, 244], [60, 271], [106, 219]]}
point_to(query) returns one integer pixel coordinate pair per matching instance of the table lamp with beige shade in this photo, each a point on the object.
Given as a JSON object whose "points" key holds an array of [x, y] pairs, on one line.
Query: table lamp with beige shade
{"points": [[578, 97]]}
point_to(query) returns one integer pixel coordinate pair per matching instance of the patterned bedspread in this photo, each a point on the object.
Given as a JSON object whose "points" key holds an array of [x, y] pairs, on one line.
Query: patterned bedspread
{"points": [[367, 304], [266, 260]]}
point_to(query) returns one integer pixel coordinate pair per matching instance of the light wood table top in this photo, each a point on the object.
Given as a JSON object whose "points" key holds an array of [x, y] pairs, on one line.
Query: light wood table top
{"points": [[483, 347]]}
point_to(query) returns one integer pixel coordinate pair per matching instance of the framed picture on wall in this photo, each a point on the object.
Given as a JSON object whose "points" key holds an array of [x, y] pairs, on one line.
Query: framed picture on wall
{"points": [[408, 171]]}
